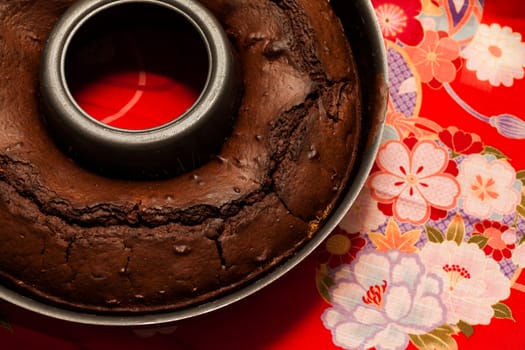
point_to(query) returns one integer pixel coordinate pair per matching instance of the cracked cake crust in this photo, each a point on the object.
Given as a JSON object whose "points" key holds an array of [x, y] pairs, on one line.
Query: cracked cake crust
{"points": [[87, 242]]}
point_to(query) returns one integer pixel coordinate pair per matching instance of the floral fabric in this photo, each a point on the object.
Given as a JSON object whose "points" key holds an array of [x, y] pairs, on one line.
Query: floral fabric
{"points": [[431, 254], [450, 248]]}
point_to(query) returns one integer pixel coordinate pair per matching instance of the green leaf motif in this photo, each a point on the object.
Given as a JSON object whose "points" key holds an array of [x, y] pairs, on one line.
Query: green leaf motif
{"points": [[503, 312], [520, 175], [439, 339], [456, 230], [324, 282], [466, 328], [495, 152], [520, 209], [434, 235], [480, 240]]}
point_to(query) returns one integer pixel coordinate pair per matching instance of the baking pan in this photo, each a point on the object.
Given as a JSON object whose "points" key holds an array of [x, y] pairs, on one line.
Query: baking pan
{"points": [[365, 37]]}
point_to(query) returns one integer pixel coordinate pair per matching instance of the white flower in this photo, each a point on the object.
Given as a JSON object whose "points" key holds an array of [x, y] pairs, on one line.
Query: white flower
{"points": [[518, 255], [496, 54], [473, 281], [382, 298], [487, 187], [414, 180], [363, 216]]}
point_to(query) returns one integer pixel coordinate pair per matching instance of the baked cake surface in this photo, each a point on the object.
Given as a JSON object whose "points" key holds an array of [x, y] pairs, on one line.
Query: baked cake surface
{"points": [[83, 241]]}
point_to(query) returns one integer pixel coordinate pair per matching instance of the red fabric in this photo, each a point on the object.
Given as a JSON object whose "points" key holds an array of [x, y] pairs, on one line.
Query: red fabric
{"points": [[146, 79], [500, 334], [288, 314], [160, 101]]}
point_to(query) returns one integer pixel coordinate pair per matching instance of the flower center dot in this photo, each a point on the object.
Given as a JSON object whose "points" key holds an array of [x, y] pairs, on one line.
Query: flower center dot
{"points": [[374, 295], [495, 51], [412, 179], [338, 244], [456, 274], [484, 189], [432, 56], [392, 19]]}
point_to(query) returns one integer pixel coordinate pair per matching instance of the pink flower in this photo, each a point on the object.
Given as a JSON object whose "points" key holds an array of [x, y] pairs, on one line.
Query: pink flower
{"points": [[414, 177], [434, 57], [397, 19], [498, 245]]}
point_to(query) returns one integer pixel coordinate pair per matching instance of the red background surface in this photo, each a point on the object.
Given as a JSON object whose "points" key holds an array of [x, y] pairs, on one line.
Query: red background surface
{"points": [[286, 315]]}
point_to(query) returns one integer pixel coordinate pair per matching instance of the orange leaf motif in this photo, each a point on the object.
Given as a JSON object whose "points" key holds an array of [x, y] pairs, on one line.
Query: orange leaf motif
{"points": [[394, 239]]}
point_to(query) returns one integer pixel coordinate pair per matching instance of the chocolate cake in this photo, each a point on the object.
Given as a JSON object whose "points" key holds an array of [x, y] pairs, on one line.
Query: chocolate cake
{"points": [[77, 239]]}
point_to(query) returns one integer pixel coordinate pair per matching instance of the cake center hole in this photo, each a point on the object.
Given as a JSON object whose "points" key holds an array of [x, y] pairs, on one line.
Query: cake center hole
{"points": [[136, 66]]}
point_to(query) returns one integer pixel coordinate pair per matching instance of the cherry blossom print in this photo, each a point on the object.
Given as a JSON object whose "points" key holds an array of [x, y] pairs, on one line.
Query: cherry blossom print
{"points": [[341, 247], [473, 282], [434, 57], [414, 180], [487, 186], [363, 216], [398, 20], [501, 239], [496, 54], [461, 142], [382, 298]]}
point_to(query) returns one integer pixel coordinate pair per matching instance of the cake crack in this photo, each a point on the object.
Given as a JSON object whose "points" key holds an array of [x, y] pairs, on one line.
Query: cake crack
{"points": [[303, 33], [69, 248], [107, 215], [220, 251], [110, 214]]}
